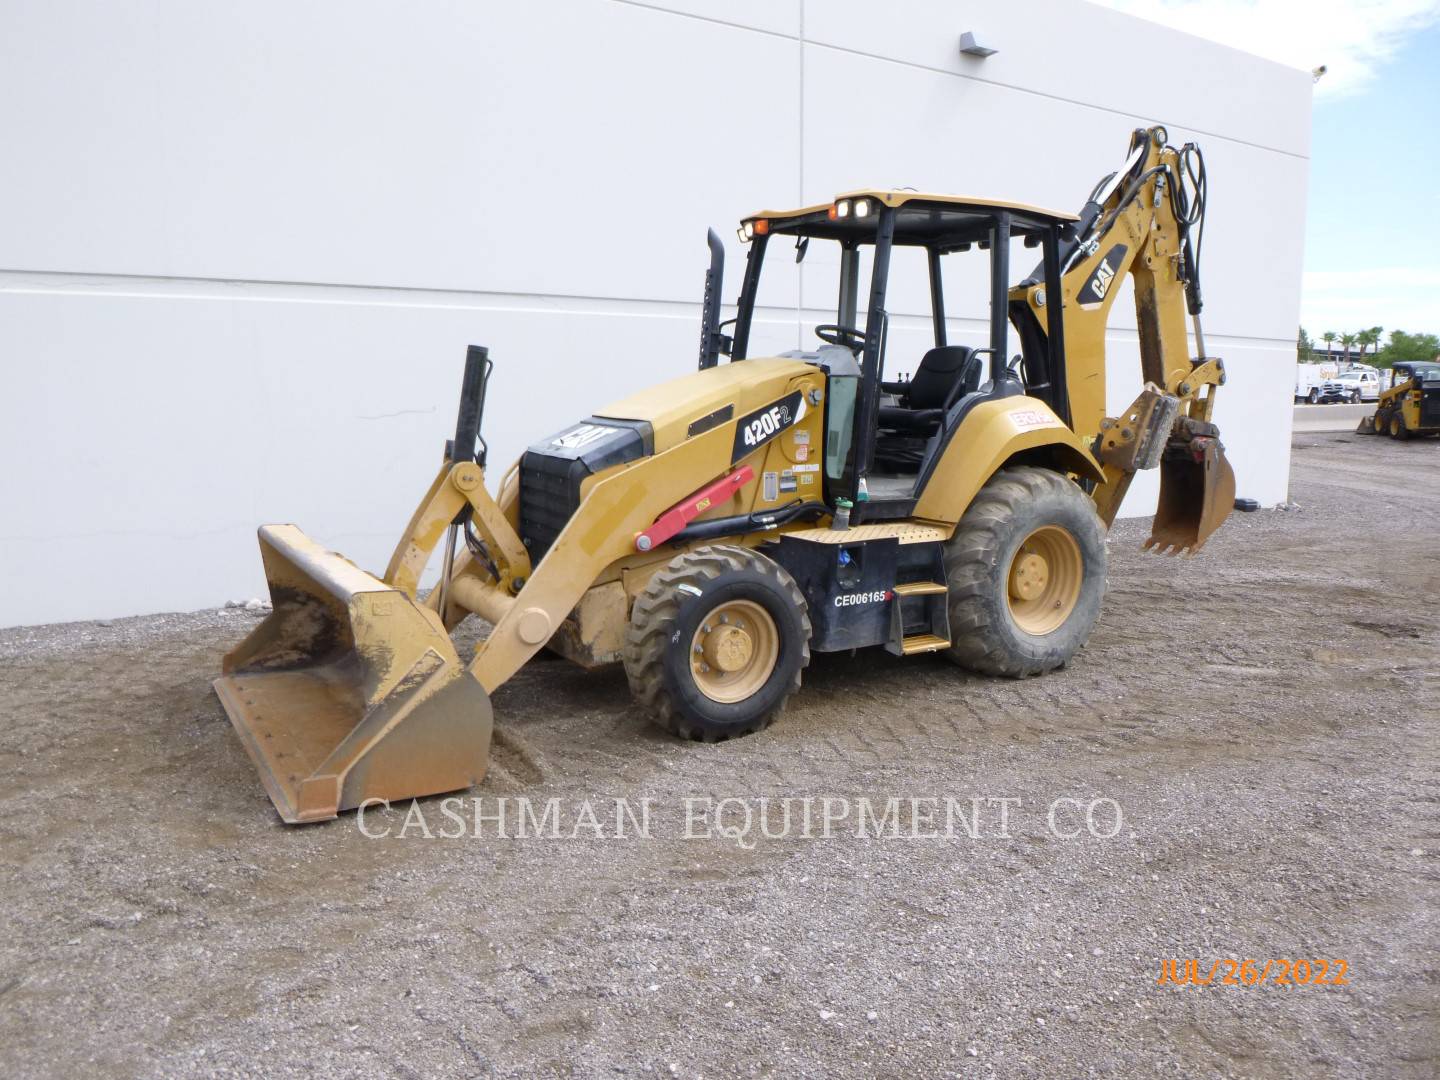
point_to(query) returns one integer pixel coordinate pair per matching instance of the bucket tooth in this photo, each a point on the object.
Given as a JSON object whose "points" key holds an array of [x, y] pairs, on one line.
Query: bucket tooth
{"points": [[349, 691]]}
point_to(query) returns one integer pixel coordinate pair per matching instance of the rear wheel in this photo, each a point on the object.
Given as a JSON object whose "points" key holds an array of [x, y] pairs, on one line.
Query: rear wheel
{"points": [[1398, 430], [1026, 574], [716, 643], [1314, 396]]}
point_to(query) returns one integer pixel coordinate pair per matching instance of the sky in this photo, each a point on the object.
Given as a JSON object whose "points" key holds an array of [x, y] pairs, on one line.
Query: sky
{"points": [[1372, 244]]}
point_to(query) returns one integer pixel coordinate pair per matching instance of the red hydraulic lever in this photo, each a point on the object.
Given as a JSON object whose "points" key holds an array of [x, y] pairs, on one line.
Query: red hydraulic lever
{"points": [[691, 507]]}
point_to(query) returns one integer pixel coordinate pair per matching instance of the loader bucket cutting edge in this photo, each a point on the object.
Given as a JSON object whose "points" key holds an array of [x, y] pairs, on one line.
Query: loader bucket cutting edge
{"points": [[349, 690], [1197, 494]]}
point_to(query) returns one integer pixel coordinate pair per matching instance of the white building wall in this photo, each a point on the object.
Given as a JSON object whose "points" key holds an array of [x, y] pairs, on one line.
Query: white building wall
{"points": [[243, 246]]}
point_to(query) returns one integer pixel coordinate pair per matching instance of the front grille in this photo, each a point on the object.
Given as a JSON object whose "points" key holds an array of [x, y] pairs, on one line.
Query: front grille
{"points": [[547, 502], [552, 471]]}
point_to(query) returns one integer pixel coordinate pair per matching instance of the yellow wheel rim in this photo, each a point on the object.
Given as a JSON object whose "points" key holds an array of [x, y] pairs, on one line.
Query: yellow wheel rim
{"points": [[1043, 585], [1395, 426], [734, 650]]}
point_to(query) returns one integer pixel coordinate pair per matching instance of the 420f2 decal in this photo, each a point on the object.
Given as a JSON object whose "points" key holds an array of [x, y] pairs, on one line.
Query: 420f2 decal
{"points": [[759, 427]]}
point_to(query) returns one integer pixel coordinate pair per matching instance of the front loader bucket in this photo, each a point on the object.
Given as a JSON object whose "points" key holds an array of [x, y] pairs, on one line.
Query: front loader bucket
{"points": [[1367, 426], [1197, 493], [349, 690]]}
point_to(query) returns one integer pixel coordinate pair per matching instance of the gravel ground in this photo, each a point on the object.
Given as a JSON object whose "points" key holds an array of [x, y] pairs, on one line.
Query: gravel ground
{"points": [[1264, 716]]}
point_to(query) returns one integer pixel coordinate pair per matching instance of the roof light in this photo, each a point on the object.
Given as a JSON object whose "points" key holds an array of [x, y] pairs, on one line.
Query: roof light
{"points": [[746, 232], [842, 209], [762, 226], [862, 207]]}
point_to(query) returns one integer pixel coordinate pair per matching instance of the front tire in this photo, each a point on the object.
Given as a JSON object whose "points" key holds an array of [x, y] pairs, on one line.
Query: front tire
{"points": [[1314, 396], [717, 642], [1026, 574]]}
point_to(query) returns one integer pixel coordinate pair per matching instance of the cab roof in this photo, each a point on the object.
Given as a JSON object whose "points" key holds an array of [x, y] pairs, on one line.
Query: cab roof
{"points": [[924, 218]]}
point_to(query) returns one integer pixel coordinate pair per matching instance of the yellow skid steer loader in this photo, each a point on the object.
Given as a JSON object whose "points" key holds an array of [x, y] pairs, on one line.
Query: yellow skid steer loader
{"points": [[711, 532], [1411, 405]]}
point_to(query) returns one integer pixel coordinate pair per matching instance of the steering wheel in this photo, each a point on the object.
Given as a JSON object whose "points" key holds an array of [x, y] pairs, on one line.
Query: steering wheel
{"points": [[845, 336]]}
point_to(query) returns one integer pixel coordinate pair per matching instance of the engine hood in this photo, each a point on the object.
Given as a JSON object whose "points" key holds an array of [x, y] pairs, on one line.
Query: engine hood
{"points": [[683, 407]]}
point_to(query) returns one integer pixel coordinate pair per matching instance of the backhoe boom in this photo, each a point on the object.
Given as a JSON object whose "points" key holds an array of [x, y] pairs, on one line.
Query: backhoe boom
{"points": [[1145, 221]]}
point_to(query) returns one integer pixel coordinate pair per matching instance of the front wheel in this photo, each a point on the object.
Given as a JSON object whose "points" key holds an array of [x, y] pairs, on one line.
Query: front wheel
{"points": [[716, 643], [1026, 574], [1314, 396], [1355, 398]]}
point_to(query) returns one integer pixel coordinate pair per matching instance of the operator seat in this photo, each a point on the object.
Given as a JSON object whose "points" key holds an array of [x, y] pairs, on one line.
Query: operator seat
{"points": [[945, 375]]}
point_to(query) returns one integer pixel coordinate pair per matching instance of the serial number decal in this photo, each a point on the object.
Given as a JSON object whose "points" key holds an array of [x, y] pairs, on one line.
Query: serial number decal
{"points": [[1228, 972], [757, 428], [852, 599]]}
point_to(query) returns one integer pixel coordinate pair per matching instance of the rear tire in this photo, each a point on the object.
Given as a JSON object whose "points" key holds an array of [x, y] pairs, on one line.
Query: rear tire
{"points": [[1398, 430], [716, 643], [1026, 574], [1314, 396]]}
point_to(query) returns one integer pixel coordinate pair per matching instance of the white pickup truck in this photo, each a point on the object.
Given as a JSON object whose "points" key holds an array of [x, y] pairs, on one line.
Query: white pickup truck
{"points": [[1352, 386]]}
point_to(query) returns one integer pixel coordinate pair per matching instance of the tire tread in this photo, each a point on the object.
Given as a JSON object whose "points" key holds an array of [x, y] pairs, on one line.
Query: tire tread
{"points": [[972, 553], [655, 611]]}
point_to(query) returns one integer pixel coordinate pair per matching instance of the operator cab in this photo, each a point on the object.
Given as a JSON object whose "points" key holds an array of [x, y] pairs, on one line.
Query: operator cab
{"points": [[1426, 371], [898, 385]]}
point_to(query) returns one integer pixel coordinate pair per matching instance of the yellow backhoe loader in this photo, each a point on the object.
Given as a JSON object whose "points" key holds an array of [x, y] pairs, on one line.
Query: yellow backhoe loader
{"points": [[711, 532]]}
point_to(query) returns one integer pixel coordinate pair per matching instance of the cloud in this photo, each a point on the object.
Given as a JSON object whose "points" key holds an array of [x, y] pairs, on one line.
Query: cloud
{"points": [[1398, 298], [1352, 38]]}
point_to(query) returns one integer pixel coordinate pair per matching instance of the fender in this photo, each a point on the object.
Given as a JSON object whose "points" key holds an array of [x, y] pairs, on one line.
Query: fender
{"points": [[989, 436]]}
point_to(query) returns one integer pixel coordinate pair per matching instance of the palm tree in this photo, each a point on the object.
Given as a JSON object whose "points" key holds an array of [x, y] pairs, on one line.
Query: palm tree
{"points": [[1347, 340], [1364, 338], [1329, 337], [1376, 333]]}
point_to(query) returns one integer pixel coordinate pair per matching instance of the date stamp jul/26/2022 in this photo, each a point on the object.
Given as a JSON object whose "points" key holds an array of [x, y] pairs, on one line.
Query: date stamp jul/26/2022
{"points": [[1230, 972]]}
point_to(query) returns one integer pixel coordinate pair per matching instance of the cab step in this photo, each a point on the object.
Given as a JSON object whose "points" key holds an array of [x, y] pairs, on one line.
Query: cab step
{"points": [[920, 588], [922, 643], [919, 615]]}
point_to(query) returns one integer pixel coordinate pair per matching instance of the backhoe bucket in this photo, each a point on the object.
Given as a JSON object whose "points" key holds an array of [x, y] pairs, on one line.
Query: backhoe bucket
{"points": [[1197, 493], [349, 690]]}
